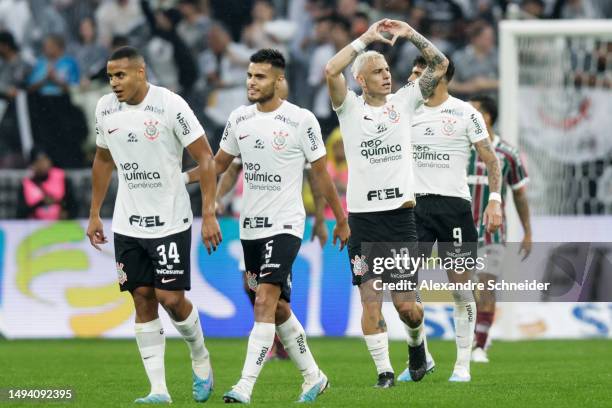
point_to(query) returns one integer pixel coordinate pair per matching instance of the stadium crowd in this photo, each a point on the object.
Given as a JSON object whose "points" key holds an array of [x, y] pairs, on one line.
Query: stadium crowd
{"points": [[53, 56]]}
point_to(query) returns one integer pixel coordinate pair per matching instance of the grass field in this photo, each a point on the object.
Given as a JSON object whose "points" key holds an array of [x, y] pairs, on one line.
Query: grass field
{"points": [[109, 373]]}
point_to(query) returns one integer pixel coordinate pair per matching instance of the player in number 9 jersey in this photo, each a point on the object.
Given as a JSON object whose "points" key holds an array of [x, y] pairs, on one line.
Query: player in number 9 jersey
{"points": [[443, 131], [274, 138], [143, 129]]}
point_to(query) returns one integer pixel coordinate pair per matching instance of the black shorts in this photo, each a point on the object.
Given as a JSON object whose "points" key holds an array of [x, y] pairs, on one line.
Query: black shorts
{"points": [[394, 227], [270, 260], [163, 263], [448, 221]]}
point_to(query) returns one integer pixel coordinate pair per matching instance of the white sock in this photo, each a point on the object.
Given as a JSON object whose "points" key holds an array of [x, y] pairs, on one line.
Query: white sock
{"points": [[260, 342], [464, 318], [191, 330], [152, 344], [415, 335], [293, 336], [378, 346]]}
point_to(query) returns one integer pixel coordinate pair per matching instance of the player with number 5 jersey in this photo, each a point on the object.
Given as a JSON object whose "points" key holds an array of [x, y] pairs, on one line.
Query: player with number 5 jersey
{"points": [[274, 138], [143, 129]]}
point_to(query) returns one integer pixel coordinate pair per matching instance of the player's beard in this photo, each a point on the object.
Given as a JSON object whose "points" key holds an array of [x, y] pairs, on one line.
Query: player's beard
{"points": [[265, 96]]}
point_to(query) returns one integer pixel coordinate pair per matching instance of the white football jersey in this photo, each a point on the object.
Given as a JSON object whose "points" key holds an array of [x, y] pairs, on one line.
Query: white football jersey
{"points": [[378, 149], [273, 147], [146, 142], [441, 140]]}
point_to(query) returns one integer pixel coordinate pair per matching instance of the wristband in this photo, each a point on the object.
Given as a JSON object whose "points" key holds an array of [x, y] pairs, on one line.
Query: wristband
{"points": [[495, 197], [358, 45], [186, 178]]}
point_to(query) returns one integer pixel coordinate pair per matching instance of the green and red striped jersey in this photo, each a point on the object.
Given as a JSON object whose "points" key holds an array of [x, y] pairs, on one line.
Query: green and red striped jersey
{"points": [[514, 176]]}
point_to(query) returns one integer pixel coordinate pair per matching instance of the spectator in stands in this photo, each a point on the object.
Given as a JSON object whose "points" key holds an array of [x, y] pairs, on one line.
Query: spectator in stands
{"points": [[117, 17], [573, 9], [195, 24], [254, 35], [223, 65], [58, 126], [476, 65], [336, 167], [339, 38], [90, 55], [45, 20], [13, 74], [533, 9], [45, 193], [163, 24]]}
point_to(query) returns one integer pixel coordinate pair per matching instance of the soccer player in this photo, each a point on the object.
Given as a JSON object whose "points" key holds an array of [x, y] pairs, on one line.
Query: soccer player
{"points": [[380, 196], [513, 176], [319, 229], [142, 129], [443, 131], [274, 138]]}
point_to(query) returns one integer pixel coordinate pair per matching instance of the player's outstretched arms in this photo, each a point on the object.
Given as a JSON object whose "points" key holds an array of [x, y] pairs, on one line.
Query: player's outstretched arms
{"points": [[342, 231], [336, 83], [436, 61], [493, 212], [101, 173], [201, 152]]}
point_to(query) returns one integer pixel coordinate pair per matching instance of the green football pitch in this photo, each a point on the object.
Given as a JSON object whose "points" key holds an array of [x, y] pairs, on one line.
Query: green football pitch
{"points": [[109, 373]]}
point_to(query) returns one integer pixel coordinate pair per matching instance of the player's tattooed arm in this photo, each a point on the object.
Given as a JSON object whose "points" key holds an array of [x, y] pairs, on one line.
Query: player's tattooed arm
{"points": [[336, 83], [436, 61], [487, 154], [382, 325], [493, 212]]}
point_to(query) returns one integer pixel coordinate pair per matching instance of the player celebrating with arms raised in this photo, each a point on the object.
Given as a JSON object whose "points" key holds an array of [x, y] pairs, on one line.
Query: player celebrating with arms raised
{"points": [[380, 196], [274, 138], [143, 129], [443, 131]]}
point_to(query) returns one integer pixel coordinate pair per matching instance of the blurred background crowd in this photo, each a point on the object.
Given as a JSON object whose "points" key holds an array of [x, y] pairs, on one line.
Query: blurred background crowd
{"points": [[53, 60]]}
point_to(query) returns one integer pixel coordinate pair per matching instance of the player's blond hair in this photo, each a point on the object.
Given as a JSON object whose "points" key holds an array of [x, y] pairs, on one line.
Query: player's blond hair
{"points": [[362, 59]]}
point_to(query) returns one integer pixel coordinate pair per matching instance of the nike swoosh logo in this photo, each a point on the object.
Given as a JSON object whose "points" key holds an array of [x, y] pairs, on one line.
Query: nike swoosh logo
{"points": [[366, 117], [164, 280], [147, 357], [261, 275], [112, 131], [243, 137]]}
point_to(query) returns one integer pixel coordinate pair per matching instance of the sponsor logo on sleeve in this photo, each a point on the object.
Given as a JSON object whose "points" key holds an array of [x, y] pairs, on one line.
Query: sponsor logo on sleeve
{"points": [[183, 124], [313, 139], [477, 127]]}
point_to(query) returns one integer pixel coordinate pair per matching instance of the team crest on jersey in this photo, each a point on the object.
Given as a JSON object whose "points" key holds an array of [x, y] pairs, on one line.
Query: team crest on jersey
{"points": [[392, 114], [251, 280], [151, 131], [448, 126], [280, 140], [360, 267], [121, 275]]}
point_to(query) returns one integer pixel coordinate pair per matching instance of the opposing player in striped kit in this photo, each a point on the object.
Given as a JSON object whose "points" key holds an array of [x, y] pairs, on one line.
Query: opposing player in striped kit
{"points": [[492, 244]]}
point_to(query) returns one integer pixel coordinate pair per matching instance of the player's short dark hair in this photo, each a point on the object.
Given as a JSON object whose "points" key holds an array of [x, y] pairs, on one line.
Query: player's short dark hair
{"points": [[7, 39], [420, 61], [487, 104], [128, 52], [270, 56]]}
